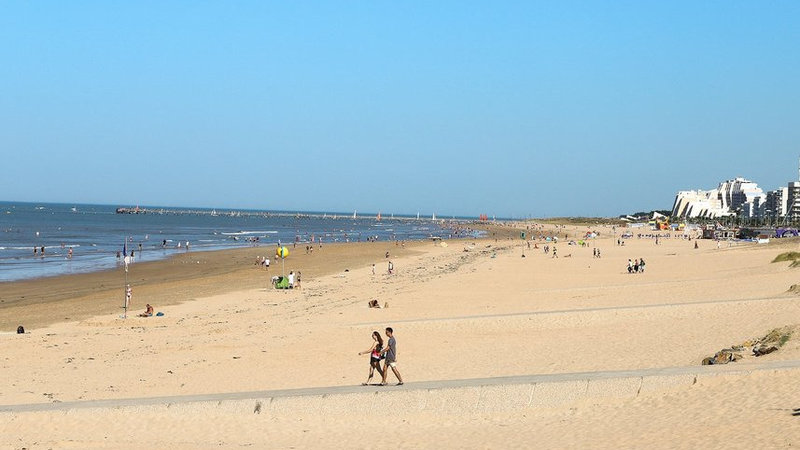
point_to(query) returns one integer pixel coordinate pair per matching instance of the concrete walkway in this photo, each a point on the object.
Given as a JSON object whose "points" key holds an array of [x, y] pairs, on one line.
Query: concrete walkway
{"points": [[476, 394]]}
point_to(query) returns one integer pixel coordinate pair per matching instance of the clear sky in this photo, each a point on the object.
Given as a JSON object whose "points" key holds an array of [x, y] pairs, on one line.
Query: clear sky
{"points": [[448, 107]]}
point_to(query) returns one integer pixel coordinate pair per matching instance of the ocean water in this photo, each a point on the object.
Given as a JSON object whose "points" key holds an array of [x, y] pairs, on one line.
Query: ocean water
{"points": [[95, 233]]}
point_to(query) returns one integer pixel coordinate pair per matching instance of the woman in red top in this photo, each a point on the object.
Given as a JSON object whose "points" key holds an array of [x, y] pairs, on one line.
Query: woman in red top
{"points": [[375, 356]]}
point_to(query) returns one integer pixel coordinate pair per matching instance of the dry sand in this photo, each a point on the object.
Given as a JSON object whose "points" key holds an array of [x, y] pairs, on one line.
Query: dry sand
{"points": [[457, 314]]}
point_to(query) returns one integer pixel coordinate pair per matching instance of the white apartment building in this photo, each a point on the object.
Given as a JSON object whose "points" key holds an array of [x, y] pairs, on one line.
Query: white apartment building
{"points": [[776, 206], [793, 200], [727, 199], [698, 204]]}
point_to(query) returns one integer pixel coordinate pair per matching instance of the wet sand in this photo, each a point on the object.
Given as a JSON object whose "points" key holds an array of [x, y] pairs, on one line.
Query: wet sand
{"points": [[182, 277]]}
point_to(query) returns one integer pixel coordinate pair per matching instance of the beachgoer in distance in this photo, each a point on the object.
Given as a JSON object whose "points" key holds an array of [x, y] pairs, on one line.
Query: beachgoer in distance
{"points": [[148, 312], [375, 356], [291, 280], [391, 267], [390, 353]]}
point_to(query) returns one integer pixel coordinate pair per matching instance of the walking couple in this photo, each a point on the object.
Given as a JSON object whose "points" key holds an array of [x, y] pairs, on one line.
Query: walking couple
{"points": [[378, 352]]}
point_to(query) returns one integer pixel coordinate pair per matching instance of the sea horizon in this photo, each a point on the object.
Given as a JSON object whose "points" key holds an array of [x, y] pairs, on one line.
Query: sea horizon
{"points": [[223, 209]]}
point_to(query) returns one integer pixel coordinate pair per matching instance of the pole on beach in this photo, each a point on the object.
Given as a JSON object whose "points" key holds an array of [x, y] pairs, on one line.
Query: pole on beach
{"points": [[127, 299]]}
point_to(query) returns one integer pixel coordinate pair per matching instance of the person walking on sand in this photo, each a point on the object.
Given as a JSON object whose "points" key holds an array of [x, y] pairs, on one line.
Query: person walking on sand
{"points": [[391, 267], [375, 356], [390, 353]]}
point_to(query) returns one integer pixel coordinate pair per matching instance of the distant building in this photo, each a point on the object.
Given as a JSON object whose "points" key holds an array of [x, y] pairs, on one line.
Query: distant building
{"points": [[776, 204], [793, 201], [698, 204], [730, 197], [743, 198], [738, 192]]}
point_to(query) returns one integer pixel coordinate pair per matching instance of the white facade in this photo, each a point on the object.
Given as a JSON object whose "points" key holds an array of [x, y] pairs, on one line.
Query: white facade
{"points": [[793, 200], [698, 204], [731, 195]]}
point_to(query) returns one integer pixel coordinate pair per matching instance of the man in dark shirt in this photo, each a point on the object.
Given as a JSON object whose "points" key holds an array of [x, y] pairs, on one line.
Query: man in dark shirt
{"points": [[391, 357]]}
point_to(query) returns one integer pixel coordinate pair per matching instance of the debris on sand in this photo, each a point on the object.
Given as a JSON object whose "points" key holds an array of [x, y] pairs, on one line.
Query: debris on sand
{"points": [[765, 345]]}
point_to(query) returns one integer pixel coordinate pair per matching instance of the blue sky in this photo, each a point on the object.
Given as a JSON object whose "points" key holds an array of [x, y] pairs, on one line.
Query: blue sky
{"points": [[455, 108]]}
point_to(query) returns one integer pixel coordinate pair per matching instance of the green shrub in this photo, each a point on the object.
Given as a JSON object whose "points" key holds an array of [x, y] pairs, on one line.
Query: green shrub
{"points": [[788, 256]]}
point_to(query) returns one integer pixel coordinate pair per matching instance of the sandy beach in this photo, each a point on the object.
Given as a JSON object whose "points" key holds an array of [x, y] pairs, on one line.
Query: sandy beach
{"points": [[471, 309]]}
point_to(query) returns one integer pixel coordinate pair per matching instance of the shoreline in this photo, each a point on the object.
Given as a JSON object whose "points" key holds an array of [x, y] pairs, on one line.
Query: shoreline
{"points": [[182, 277], [40, 242]]}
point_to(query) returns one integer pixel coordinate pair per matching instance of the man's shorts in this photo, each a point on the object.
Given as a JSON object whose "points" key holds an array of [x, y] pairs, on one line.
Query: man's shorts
{"points": [[391, 363]]}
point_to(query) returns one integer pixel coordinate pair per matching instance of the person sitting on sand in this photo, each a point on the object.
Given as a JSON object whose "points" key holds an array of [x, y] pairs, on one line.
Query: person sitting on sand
{"points": [[148, 312], [375, 356], [373, 304]]}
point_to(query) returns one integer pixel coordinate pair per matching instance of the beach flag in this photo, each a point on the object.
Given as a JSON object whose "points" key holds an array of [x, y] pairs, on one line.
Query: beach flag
{"points": [[125, 256]]}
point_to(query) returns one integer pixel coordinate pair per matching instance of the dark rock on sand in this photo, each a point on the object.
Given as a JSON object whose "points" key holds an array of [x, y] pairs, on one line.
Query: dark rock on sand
{"points": [[764, 350], [722, 357]]}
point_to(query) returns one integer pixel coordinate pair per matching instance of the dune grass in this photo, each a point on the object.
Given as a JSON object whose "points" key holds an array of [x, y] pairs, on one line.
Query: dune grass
{"points": [[788, 256]]}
